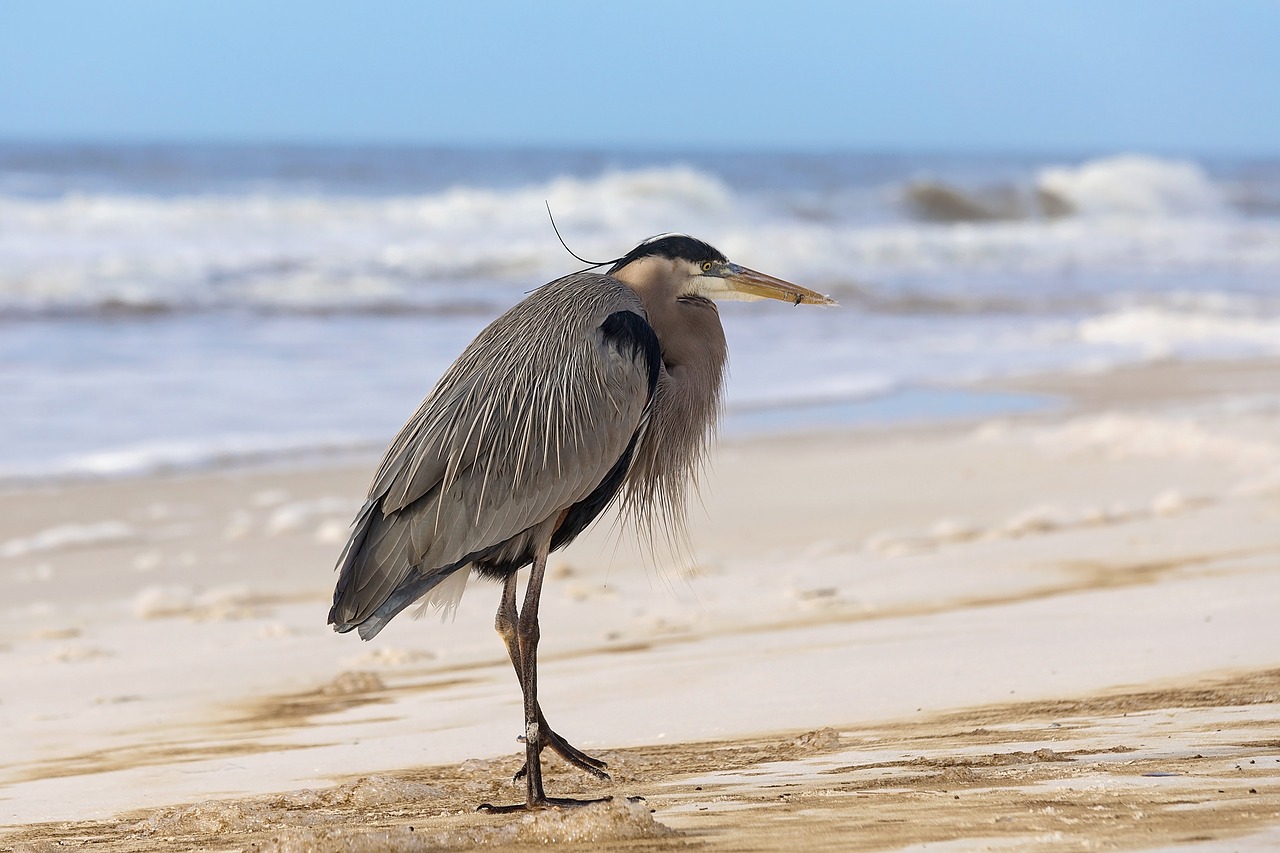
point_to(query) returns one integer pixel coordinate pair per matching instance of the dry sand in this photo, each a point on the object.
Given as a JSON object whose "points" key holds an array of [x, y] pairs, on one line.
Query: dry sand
{"points": [[1056, 632]]}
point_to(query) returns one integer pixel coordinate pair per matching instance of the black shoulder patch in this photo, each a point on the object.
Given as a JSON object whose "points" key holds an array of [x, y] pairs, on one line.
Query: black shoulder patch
{"points": [[629, 333]]}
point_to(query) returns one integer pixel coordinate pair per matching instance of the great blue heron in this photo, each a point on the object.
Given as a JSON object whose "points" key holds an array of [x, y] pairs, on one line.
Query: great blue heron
{"points": [[594, 388]]}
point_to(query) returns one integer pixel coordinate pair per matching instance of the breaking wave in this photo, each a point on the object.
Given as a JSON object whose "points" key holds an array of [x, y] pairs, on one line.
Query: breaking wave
{"points": [[1132, 185], [239, 308], [115, 253], [1129, 185], [471, 249]]}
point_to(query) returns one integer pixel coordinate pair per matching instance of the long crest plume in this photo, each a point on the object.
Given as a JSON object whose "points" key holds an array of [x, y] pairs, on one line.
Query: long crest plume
{"points": [[590, 264]]}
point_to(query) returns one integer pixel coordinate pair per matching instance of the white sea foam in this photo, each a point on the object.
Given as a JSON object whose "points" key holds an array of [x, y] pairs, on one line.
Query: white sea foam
{"points": [[1161, 331], [91, 252], [1129, 185], [176, 456], [80, 252], [1047, 250], [1134, 185]]}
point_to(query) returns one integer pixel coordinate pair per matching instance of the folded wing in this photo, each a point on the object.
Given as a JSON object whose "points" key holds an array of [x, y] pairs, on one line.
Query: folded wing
{"points": [[538, 418]]}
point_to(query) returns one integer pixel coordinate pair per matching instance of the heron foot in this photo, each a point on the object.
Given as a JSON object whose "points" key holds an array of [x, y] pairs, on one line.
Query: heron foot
{"points": [[571, 754], [539, 805]]}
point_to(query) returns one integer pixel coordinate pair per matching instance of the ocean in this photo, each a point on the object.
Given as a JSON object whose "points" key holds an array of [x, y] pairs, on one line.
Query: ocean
{"points": [[169, 308]]}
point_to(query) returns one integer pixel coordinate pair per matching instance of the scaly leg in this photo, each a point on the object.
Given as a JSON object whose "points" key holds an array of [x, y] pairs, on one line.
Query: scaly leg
{"points": [[526, 635], [505, 623]]}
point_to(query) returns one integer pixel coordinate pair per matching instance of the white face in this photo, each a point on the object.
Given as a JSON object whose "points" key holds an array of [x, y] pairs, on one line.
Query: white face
{"points": [[714, 280], [708, 280]]}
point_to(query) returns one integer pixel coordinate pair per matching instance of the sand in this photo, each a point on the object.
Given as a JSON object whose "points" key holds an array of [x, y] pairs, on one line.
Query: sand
{"points": [[1050, 632]]}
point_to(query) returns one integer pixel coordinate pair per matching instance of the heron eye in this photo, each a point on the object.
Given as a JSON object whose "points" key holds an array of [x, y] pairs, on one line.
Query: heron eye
{"points": [[706, 266]]}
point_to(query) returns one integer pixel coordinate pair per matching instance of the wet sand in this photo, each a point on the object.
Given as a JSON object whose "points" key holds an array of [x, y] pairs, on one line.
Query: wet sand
{"points": [[1052, 632], [1121, 771]]}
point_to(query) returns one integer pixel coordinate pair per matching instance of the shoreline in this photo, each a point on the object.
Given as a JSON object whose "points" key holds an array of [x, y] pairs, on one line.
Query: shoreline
{"points": [[1123, 544], [911, 408]]}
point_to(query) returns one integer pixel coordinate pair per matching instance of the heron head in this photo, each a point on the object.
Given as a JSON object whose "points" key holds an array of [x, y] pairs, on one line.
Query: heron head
{"points": [[687, 266]]}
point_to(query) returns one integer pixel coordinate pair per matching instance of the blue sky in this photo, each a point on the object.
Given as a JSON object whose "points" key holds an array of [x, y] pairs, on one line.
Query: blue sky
{"points": [[1003, 75]]}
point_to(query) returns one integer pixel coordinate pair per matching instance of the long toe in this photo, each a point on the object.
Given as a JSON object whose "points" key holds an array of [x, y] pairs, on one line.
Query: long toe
{"points": [[570, 753], [576, 757], [544, 803]]}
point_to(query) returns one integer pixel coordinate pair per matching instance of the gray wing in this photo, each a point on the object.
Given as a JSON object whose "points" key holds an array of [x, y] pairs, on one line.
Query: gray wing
{"points": [[527, 424]]}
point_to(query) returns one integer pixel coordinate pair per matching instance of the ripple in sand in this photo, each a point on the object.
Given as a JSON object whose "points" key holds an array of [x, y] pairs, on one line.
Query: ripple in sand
{"points": [[292, 517], [352, 683], [391, 656], [78, 654], [67, 536], [214, 605]]}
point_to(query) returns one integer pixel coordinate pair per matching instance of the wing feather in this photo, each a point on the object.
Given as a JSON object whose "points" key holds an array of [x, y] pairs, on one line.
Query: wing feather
{"points": [[528, 422]]}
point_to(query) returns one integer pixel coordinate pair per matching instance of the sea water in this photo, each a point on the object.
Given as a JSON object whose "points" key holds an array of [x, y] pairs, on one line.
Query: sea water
{"points": [[175, 307]]}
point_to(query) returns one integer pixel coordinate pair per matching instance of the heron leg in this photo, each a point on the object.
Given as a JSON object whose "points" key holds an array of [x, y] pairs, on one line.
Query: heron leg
{"points": [[505, 624], [522, 646]]}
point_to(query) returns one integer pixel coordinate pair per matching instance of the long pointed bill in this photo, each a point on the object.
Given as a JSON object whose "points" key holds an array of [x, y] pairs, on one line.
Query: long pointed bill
{"points": [[739, 282]]}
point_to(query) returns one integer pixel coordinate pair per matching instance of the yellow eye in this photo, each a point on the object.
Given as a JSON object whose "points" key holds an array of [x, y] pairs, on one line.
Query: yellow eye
{"points": [[706, 266]]}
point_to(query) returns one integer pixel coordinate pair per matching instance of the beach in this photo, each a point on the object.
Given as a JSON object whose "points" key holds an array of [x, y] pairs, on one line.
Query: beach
{"points": [[1046, 630]]}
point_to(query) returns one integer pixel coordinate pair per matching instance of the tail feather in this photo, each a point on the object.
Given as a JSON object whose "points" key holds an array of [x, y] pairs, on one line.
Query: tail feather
{"points": [[347, 565], [358, 588], [406, 594]]}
